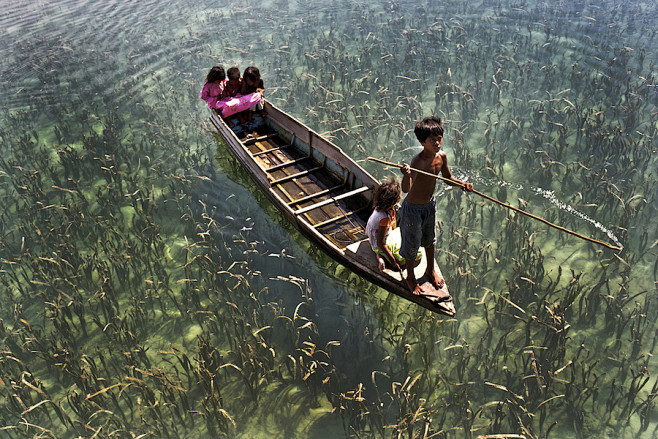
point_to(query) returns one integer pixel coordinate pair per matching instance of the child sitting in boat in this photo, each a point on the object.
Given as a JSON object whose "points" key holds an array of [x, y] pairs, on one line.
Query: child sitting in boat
{"points": [[213, 88], [382, 220], [233, 88], [252, 83], [234, 83]]}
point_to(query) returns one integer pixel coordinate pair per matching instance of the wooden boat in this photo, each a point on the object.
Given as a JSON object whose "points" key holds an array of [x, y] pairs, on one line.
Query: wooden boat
{"points": [[325, 194]]}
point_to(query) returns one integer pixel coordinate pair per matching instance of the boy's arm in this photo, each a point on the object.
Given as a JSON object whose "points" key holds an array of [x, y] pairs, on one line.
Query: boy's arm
{"points": [[406, 178], [408, 175], [446, 173]]}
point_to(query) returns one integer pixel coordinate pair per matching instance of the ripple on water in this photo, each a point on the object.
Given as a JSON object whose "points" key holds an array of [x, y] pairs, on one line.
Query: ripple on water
{"points": [[54, 46]]}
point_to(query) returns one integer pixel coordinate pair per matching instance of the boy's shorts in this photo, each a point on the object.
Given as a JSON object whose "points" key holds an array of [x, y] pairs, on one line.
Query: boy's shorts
{"points": [[417, 226]]}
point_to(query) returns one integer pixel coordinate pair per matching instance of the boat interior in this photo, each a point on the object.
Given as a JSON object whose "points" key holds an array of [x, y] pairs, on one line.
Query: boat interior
{"points": [[326, 195]]}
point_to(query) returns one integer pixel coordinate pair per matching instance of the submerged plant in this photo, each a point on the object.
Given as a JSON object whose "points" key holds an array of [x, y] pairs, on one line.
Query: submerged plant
{"points": [[147, 294]]}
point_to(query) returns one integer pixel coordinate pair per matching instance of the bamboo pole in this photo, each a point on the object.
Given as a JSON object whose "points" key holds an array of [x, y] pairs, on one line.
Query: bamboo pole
{"points": [[516, 209]]}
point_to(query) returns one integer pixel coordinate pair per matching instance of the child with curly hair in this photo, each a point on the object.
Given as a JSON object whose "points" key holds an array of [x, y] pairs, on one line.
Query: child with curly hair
{"points": [[381, 222]]}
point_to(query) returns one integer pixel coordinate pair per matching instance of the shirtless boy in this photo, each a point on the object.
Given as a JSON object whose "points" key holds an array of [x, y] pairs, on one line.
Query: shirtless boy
{"points": [[418, 210]]}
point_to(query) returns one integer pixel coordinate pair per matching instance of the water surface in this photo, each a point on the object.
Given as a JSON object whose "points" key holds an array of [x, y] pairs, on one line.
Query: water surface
{"points": [[152, 291]]}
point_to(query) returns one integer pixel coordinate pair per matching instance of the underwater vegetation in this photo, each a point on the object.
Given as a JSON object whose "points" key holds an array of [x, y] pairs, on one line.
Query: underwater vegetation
{"points": [[150, 291]]}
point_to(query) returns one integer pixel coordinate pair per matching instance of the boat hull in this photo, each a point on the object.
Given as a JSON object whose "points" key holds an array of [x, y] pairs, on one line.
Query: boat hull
{"points": [[325, 195]]}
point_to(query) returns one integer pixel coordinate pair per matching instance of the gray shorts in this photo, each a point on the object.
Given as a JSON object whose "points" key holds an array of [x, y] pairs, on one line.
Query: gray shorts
{"points": [[417, 226]]}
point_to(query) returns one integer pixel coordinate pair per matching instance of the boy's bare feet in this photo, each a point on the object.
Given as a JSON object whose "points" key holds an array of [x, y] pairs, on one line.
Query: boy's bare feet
{"points": [[413, 286], [437, 281]]}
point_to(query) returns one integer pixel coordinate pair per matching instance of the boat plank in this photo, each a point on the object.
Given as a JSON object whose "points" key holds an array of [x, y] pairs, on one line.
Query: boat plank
{"points": [[345, 231], [287, 163], [332, 199], [341, 216], [271, 150], [303, 187], [287, 190], [274, 163], [308, 197]]}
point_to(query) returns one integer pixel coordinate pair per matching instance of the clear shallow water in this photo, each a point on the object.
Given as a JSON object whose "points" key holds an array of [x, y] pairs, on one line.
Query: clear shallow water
{"points": [[150, 288]]}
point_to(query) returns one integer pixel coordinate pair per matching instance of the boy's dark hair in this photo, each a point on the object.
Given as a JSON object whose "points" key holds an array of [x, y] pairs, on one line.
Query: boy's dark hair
{"points": [[387, 195], [216, 74], [252, 73], [233, 73], [428, 126]]}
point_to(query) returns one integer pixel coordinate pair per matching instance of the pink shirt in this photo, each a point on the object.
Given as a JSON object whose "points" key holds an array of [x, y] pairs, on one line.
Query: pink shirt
{"points": [[212, 92]]}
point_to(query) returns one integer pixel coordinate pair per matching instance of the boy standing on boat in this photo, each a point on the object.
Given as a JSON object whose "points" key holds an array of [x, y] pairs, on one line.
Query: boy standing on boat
{"points": [[418, 210]]}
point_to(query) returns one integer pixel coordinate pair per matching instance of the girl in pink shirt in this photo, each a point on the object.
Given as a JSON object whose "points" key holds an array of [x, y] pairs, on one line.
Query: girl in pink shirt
{"points": [[213, 88]]}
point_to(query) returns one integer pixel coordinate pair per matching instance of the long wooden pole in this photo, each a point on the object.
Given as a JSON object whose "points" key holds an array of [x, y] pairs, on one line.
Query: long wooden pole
{"points": [[516, 209]]}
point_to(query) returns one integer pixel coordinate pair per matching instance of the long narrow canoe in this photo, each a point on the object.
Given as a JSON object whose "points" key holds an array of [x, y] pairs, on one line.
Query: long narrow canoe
{"points": [[324, 194]]}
